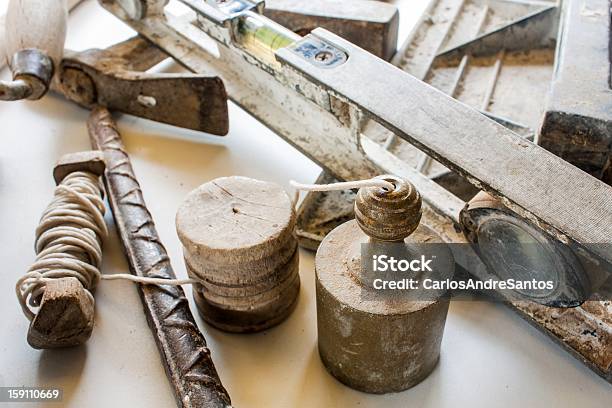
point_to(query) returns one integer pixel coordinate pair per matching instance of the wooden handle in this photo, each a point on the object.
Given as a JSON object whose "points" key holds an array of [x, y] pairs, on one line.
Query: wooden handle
{"points": [[35, 35], [71, 4], [37, 24]]}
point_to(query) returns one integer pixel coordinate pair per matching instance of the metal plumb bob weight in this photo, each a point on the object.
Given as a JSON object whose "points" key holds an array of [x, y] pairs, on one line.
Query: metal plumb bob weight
{"points": [[368, 343]]}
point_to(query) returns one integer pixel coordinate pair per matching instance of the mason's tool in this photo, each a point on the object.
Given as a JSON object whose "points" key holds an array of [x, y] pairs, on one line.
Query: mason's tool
{"points": [[112, 77], [56, 293], [35, 35], [454, 47], [577, 124], [115, 78], [238, 243], [185, 355], [497, 234], [368, 342], [318, 91], [438, 51], [585, 329]]}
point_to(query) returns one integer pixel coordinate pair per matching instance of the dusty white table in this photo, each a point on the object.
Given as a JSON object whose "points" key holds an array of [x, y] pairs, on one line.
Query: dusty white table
{"points": [[490, 357]]}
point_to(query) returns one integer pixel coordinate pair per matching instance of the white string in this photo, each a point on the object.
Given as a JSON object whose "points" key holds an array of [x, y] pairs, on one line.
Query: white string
{"points": [[150, 281], [69, 243], [345, 185], [68, 240]]}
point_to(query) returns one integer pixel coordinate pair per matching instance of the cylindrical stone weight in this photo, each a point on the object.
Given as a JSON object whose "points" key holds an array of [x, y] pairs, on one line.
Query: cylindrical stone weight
{"points": [[237, 236], [367, 341]]}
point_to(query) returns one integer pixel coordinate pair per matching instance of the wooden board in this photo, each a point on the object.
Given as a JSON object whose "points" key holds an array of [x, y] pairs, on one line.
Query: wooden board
{"points": [[531, 181]]}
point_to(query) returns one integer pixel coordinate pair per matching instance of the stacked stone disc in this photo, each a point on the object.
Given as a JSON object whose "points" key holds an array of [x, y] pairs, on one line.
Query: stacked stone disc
{"points": [[237, 236]]}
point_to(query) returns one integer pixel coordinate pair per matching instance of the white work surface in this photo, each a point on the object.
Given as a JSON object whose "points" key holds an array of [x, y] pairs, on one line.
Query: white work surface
{"points": [[490, 357]]}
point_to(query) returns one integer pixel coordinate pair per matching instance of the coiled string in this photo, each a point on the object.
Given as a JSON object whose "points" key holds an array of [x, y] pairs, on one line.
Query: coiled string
{"points": [[69, 243]]}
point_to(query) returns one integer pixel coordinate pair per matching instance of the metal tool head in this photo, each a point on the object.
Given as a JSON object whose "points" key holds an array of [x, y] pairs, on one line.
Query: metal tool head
{"points": [[114, 78]]}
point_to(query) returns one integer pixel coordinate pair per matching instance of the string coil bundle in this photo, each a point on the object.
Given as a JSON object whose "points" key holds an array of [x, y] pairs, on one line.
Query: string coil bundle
{"points": [[68, 240]]}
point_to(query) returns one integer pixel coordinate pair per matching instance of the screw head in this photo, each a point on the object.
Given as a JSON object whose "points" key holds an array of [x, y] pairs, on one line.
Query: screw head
{"points": [[324, 56]]}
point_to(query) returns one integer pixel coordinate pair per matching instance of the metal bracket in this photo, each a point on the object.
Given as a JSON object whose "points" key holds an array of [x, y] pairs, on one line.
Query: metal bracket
{"points": [[319, 53], [372, 25], [225, 10]]}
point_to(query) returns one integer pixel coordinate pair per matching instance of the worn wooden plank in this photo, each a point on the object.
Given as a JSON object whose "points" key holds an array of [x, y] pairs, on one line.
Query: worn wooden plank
{"points": [[533, 182], [577, 125]]}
